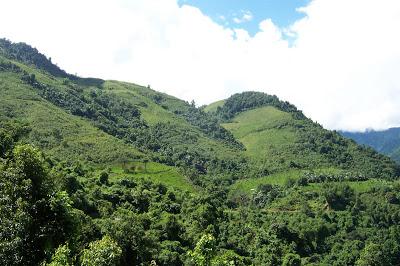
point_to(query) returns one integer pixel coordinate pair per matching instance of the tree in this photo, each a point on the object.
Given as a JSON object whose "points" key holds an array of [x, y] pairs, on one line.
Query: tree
{"points": [[338, 196], [145, 161], [103, 178], [104, 252], [27, 220], [61, 257], [203, 252], [291, 259], [372, 255]]}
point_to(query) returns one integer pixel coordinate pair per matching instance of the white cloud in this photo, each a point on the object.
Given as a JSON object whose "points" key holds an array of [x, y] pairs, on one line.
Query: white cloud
{"points": [[245, 16], [343, 69]]}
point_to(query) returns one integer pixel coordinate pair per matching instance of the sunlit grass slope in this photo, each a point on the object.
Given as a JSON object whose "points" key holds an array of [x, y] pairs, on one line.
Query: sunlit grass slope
{"points": [[155, 172], [213, 106], [56, 131]]}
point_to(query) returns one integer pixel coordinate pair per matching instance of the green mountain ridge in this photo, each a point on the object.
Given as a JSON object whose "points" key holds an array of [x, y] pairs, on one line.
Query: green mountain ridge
{"points": [[131, 176]]}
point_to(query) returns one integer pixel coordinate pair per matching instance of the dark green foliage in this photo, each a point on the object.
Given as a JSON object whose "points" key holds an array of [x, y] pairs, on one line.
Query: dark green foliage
{"points": [[291, 260], [34, 216], [339, 196], [103, 178], [26, 54], [311, 177], [346, 154], [209, 125], [177, 147], [108, 113], [241, 102], [31, 56]]}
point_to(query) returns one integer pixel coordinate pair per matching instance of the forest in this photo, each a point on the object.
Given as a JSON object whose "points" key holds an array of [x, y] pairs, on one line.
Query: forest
{"points": [[97, 172]]}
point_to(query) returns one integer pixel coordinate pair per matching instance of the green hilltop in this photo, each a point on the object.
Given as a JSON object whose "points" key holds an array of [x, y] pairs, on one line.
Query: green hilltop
{"points": [[104, 172]]}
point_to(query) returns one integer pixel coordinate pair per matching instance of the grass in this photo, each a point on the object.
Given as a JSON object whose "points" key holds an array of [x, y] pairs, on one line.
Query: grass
{"points": [[154, 113], [247, 186], [153, 171], [358, 186], [73, 138], [57, 132], [263, 131], [213, 106], [135, 94]]}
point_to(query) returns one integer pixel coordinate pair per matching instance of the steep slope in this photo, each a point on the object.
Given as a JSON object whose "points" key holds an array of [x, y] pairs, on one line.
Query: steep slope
{"points": [[248, 135], [71, 123], [213, 106], [55, 130], [386, 141], [281, 138], [72, 115]]}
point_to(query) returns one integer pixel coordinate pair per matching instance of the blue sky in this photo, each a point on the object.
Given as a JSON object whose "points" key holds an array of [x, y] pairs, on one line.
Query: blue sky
{"points": [[249, 13]]}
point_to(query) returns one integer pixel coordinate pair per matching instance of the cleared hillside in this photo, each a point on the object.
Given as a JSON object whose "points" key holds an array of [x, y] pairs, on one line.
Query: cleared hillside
{"points": [[281, 138]]}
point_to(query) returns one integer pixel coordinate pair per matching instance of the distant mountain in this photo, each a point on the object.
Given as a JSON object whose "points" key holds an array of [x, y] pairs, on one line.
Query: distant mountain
{"points": [[386, 141]]}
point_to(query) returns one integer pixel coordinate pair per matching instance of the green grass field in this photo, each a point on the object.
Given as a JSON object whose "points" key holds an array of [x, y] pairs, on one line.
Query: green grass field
{"points": [[153, 171], [247, 186], [56, 131], [262, 131], [213, 106]]}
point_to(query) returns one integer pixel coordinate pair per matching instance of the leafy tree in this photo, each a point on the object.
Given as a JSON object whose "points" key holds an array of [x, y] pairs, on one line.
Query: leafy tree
{"points": [[338, 196], [31, 215], [103, 178], [372, 255], [291, 259], [104, 252], [61, 257], [204, 251]]}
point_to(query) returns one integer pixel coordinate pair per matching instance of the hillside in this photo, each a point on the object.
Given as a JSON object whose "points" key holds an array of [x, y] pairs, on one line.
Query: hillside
{"points": [[280, 137], [104, 172], [386, 141]]}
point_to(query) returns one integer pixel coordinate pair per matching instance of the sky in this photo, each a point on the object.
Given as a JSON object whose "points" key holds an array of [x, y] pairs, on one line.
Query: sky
{"points": [[247, 14], [337, 60]]}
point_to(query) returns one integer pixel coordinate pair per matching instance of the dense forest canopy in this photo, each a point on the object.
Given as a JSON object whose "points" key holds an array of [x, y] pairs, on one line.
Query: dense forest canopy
{"points": [[97, 172]]}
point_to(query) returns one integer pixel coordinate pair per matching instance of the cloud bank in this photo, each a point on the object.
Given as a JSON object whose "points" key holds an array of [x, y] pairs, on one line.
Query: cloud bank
{"points": [[342, 67]]}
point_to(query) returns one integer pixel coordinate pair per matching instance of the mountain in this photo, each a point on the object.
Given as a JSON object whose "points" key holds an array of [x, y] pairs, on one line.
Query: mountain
{"points": [[386, 141], [104, 172]]}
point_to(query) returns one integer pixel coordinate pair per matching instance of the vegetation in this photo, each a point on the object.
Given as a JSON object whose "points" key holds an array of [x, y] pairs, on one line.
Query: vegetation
{"points": [[110, 173], [285, 140]]}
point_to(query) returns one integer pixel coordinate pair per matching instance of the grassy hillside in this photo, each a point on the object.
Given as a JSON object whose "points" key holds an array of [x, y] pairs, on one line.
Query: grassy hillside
{"points": [[56, 131], [280, 138], [56, 128], [213, 106]]}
